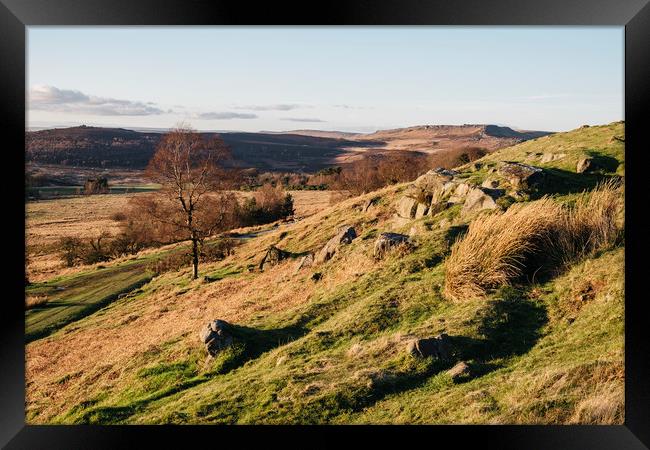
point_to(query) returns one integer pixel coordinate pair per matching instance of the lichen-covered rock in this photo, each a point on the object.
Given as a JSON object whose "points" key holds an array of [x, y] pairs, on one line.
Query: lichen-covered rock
{"points": [[273, 256], [521, 175], [216, 336], [584, 165], [478, 199], [345, 236], [421, 210], [407, 207], [490, 183], [460, 192], [460, 370], [386, 241], [549, 157], [305, 261]]}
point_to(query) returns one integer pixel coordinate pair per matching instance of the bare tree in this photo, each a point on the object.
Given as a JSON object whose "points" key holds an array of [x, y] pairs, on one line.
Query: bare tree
{"points": [[186, 165]]}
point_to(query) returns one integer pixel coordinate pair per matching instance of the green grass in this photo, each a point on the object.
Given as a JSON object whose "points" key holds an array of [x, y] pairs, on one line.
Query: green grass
{"points": [[73, 297]]}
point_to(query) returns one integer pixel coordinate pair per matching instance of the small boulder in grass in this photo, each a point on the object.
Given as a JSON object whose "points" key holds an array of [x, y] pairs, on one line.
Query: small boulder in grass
{"points": [[460, 370], [438, 347], [216, 336]]}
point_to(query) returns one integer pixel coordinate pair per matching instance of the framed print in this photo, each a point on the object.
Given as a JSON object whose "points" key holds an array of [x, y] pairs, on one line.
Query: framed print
{"points": [[384, 219]]}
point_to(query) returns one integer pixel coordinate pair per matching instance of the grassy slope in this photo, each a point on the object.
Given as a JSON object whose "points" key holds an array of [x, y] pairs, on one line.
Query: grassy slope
{"points": [[333, 351]]}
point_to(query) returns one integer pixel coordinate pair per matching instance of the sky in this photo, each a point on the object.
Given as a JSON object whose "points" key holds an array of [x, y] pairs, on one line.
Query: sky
{"points": [[357, 79]]}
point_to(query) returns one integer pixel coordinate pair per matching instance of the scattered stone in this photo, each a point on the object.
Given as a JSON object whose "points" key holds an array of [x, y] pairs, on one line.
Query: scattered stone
{"points": [[521, 175], [345, 236], [370, 203], [273, 257], [444, 222], [478, 199], [490, 183], [386, 241], [584, 165], [460, 370], [548, 157], [438, 347], [305, 261], [216, 337]]}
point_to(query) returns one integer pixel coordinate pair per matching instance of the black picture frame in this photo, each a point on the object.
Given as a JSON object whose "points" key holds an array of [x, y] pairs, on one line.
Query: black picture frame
{"points": [[16, 15]]}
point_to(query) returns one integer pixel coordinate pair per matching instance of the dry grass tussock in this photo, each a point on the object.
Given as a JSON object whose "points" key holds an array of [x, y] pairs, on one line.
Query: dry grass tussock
{"points": [[542, 235]]}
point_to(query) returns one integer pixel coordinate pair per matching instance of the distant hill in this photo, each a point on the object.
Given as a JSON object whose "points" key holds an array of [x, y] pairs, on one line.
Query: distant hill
{"points": [[300, 150]]}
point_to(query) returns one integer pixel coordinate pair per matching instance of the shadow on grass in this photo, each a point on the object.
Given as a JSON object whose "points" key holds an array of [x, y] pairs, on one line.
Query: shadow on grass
{"points": [[563, 182], [454, 233], [85, 309], [249, 344], [510, 326]]}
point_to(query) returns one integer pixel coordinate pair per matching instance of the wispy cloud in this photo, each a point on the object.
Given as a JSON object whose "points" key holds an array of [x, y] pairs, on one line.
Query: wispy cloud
{"points": [[225, 115], [50, 98], [302, 119], [344, 106], [276, 107]]}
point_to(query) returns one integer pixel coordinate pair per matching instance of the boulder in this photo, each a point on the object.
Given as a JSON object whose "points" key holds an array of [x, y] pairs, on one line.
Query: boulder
{"points": [[273, 256], [460, 370], [490, 183], [437, 347], [387, 241], [370, 202], [478, 199], [434, 179], [421, 210], [520, 175], [305, 261], [216, 336], [548, 157], [345, 236], [407, 207], [460, 192], [584, 165]]}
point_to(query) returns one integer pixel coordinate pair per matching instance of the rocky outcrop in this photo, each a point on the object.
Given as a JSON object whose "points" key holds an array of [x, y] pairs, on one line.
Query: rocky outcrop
{"points": [[438, 347], [387, 241], [345, 236], [216, 336], [520, 175]]}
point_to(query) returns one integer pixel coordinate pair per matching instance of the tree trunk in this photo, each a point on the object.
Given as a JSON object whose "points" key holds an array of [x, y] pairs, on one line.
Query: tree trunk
{"points": [[195, 258]]}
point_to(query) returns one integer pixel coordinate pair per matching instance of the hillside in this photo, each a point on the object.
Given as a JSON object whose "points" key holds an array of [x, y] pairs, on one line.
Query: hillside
{"points": [[330, 343], [291, 151]]}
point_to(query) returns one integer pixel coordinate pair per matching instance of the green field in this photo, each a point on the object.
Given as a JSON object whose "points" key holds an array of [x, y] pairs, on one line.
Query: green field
{"points": [[70, 298]]}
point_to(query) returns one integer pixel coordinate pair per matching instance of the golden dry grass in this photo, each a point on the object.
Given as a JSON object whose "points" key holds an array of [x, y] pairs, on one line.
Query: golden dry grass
{"points": [[499, 248], [170, 312], [496, 246]]}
